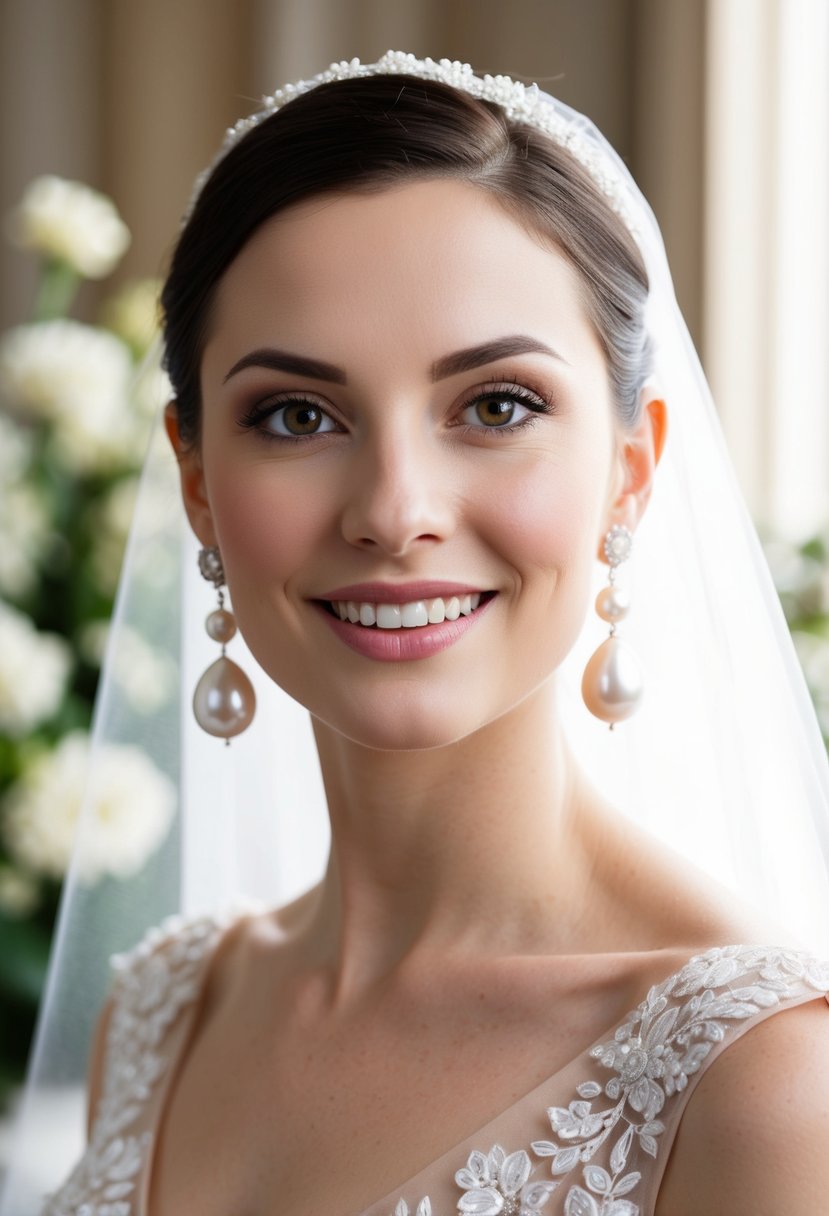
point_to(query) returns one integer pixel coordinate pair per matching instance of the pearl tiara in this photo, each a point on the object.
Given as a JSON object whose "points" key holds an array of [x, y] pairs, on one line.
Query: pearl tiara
{"points": [[524, 103]]}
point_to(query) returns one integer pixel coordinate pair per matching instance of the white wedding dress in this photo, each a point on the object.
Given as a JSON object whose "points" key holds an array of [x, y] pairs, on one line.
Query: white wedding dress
{"points": [[591, 1140]]}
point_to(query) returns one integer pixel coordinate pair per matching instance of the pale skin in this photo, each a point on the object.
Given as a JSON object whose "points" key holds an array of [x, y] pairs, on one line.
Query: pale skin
{"points": [[482, 902]]}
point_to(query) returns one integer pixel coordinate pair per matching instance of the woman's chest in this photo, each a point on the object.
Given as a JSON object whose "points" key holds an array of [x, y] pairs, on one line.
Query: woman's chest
{"points": [[269, 1119]]}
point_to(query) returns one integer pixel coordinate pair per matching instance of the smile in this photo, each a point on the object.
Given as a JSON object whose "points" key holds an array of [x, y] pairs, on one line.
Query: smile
{"points": [[400, 632], [412, 615]]}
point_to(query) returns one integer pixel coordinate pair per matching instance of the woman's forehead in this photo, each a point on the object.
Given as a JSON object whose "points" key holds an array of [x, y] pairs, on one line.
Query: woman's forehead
{"points": [[439, 262]]}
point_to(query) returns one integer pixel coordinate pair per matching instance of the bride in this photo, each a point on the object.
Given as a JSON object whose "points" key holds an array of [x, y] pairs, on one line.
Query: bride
{"points": [[424, 356]]}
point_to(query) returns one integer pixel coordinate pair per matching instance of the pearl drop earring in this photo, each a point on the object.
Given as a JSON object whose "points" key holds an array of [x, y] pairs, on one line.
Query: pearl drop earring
{"points": [[224, 701], [612, 682]]}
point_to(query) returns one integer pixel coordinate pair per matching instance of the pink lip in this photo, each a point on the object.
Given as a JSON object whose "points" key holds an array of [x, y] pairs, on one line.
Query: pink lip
{"points": [[398, 593], [400, 645]]}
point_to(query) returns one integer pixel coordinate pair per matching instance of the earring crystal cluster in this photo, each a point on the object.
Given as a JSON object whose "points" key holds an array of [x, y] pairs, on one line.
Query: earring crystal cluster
{"points": [[612, 681], [224, 701]]}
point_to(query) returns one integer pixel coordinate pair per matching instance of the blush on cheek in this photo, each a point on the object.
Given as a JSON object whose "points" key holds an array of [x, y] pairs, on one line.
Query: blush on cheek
{"points": [[547, 519], [264, 536]]}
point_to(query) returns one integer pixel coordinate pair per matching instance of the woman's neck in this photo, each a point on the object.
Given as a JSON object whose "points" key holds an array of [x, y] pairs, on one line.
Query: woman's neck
{"points": [[487, 844]]}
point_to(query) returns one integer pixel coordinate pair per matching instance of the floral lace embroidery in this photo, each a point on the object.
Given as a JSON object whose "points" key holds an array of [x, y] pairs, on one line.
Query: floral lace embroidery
{"points": [[651, 1056], [155, 981]]}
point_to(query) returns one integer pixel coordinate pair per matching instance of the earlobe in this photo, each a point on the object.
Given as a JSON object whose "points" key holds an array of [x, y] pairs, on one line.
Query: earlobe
{"points": [[191, 474], [640, 451]]}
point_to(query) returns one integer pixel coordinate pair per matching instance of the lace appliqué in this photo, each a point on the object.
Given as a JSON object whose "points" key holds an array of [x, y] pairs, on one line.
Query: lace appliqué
{"points": [[662, 1043], [155, 981]]}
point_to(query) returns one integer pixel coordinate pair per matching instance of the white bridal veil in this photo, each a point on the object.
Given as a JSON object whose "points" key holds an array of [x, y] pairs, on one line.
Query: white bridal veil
{"points": [[724, 760]]}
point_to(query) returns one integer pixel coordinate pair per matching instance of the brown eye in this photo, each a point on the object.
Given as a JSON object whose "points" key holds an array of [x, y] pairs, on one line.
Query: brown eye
{"points": [[297, 419], [302, 419], [494, 411]]}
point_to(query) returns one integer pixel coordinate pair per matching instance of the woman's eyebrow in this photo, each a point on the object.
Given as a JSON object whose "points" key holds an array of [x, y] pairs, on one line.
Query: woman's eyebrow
{"points": [[285, 361], [488, 352], [448, 365]]}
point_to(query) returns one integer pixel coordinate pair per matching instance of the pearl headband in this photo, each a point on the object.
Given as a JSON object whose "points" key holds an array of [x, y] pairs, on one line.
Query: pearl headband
{"points": [[523, 103]]}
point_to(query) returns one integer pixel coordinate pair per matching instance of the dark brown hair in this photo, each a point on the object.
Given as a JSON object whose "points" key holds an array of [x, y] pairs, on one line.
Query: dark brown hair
{"points": [[381, 131]]}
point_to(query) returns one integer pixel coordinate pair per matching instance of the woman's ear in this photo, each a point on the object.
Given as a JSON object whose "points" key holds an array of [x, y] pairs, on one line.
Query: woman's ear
{"points": [[639, 451], [191, 473]]}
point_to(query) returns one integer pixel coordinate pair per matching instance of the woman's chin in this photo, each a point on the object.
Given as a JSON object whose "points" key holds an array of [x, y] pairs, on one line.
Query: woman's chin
{"points": [[413, 729]]}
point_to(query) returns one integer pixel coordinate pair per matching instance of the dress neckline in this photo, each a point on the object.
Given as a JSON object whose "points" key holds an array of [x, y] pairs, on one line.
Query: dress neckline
{"points": [[385, 1204], [226, 922]]}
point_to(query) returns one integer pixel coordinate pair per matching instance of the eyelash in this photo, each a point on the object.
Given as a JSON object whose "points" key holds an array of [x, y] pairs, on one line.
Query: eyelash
{"points": [[537, 402]]}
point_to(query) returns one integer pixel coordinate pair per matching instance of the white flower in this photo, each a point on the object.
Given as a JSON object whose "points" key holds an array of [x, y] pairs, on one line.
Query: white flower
{"points": [[19, 894], [24, 521], [78, 378], [424, 1208], [133, 313], [26, 533], [33, 671], [128, 810], [496, 1183], [110, 519], [15, 450], [146, 675], [151, 390], [72, 223]]}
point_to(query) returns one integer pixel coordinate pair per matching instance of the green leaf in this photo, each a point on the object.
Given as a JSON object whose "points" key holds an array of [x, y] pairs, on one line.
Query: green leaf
{"points": [[24, 955]]}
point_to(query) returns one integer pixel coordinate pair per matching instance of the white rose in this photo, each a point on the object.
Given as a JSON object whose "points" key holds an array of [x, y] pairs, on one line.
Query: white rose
{"points": [[15, 450], [33, 671], [25, 530], [78, 378], [133, 313], [129, 810], [24, 520], [72, 223]]}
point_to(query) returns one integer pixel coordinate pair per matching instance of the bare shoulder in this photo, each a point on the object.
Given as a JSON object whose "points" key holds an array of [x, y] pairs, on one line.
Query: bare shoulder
{"points": [[753, 1139]]}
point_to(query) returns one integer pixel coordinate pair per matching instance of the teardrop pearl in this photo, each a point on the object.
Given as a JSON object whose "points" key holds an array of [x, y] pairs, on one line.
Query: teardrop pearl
{"points": [[612, 604], [224, 701], [612, 683]]}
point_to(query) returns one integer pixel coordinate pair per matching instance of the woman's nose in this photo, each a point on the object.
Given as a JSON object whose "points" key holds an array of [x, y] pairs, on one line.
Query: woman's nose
{"points": [[398, 497]]}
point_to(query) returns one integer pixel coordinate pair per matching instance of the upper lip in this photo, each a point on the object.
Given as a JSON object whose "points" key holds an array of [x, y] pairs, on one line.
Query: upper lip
{"points": [[399, 593]]}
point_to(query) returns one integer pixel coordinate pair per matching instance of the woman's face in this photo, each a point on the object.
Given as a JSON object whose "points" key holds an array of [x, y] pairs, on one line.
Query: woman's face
{"points": [[404, 403]]}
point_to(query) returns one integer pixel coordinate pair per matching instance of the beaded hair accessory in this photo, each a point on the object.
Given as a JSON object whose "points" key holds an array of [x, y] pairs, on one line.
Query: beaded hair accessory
{"points": [[523, 103]]}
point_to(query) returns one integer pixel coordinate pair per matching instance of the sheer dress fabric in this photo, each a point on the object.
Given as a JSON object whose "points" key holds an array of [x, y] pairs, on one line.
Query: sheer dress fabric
{"points": [[591, 1140]]}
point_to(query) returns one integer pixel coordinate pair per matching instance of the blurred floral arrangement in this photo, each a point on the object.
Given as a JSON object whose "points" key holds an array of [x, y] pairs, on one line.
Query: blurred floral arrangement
{"points": [[74, 424]]}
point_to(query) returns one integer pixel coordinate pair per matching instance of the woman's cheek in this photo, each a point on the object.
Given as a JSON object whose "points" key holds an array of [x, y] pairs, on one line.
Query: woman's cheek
{"points": [[267, 526], [547, 518]]}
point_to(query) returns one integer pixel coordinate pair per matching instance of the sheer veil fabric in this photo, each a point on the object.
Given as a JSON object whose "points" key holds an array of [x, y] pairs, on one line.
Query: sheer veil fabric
{"points": [[724, 761]]}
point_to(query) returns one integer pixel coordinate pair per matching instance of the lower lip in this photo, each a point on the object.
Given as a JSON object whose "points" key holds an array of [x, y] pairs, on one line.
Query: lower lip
{"points": [[402, 645]]}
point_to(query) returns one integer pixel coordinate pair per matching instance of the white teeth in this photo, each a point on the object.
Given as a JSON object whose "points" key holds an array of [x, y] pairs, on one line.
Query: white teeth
{"points": [[388, 616], [437, 612], [412, 615]]}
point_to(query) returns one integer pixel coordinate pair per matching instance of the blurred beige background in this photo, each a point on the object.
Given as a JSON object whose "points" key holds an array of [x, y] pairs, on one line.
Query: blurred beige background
{"points": [[700, 97], [133, 95]]}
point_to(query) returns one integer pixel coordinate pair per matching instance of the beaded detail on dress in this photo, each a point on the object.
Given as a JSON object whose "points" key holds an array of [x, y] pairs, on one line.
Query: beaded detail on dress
{"points": [[606, 1145], [612, 1128], [155, 981]]}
